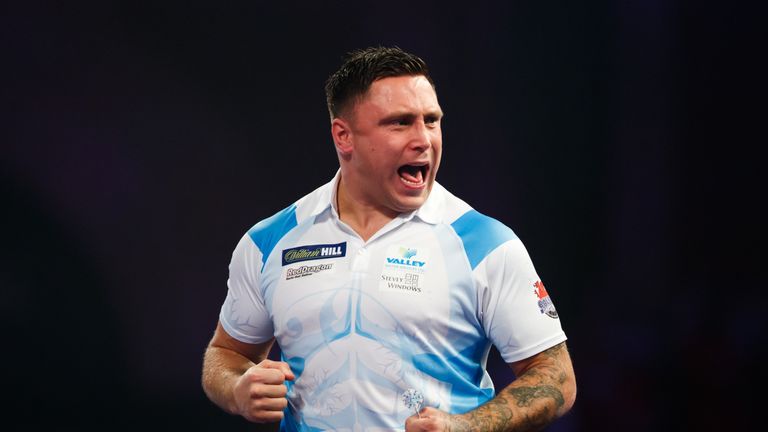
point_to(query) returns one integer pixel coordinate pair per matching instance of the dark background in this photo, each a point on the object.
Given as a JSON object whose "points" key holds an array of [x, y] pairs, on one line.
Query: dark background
{"points": [[619, 139]]}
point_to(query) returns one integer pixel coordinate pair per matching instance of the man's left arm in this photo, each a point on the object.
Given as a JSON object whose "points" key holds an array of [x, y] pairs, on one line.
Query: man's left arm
{"points": [[544, 390]]}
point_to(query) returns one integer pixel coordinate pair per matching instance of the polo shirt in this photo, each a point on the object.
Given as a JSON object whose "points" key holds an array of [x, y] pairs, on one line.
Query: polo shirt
{"points": [[417, 306]]}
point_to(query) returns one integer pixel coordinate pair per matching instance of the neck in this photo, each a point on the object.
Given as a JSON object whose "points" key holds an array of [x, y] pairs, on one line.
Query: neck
{"points": [[365, 219]]}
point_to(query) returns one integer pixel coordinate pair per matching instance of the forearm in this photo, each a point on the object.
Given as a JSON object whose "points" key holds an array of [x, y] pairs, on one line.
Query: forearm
{"points": [[221, 369], [528, 404], [543, 392]]}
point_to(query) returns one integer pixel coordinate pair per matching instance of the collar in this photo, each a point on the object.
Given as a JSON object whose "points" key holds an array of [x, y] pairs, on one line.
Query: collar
{"points": [[431, 211]]}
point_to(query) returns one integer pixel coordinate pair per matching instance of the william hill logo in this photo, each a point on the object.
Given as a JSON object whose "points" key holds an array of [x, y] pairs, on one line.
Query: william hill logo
{"points": [[314, 252], [404, 259]]}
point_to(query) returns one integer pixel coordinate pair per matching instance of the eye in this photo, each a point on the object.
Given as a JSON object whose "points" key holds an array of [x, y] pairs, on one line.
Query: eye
{"points": [[432, 120]]}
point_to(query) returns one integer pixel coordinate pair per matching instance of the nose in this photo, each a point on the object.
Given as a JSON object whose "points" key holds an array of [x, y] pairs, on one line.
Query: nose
{"points": [[422, 136]]}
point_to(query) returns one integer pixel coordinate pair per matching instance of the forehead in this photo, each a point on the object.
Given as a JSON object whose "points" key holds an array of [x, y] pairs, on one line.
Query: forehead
{"points": [[410, 93]]}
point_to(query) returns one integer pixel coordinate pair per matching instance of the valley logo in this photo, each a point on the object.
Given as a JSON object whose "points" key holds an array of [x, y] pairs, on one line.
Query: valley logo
{"points": [[404, 270], [314, 252], [404, 258]]}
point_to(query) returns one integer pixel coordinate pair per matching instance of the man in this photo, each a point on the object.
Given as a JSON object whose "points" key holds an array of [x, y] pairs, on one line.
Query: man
{"points": [[381, 284]]}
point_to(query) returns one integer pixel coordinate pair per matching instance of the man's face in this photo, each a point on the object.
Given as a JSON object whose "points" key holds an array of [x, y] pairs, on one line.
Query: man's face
{"points": [[396, 144]]}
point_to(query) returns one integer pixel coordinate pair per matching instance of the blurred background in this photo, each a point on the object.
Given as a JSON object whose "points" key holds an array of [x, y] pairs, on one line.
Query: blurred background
{"points": [[618, 139]]}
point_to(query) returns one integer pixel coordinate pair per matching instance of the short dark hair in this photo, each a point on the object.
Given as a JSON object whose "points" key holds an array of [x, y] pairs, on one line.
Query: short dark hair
{"points": [[362, 67]]}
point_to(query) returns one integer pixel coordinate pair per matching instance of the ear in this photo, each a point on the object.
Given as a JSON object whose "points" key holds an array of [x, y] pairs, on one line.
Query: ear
{"points": [[341, 131]]}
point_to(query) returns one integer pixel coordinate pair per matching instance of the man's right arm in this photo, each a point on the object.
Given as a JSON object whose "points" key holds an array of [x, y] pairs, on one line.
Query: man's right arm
{"points": [[240, 379]]}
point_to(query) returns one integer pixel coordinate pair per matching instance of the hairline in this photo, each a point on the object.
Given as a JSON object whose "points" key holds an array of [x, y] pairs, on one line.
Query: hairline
{"points": [[354, 101]]}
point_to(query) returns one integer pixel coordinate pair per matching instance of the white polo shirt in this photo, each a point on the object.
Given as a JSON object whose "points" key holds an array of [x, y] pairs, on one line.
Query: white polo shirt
{"points": [[417, 306]]}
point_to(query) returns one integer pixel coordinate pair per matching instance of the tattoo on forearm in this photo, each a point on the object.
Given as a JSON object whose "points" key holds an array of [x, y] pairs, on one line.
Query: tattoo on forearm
{"points": [[493, 416], [525, 396], [538, 396]]}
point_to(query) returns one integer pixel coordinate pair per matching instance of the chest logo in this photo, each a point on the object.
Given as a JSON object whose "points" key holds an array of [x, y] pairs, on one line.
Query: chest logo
{"points": [[405, 270], [306, 270], [314, 252], [404, 258]]}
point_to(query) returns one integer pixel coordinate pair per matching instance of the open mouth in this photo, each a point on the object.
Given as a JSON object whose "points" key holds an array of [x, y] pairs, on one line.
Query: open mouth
{"points": [[414, 175]]}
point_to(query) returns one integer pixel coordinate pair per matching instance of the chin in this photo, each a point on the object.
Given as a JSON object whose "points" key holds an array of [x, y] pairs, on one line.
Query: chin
{"points": [[405, 205], [407, 200]]}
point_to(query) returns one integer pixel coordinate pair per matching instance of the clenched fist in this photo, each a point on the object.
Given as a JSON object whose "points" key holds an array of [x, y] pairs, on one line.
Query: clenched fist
{"points": [[260, 392]]}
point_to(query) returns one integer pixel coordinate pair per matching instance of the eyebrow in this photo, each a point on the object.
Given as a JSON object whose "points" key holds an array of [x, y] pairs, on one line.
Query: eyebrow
{"points": [[408, 116]]}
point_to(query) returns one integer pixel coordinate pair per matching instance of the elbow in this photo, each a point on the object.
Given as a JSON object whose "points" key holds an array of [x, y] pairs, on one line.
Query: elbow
{"points": [[569, 395]]}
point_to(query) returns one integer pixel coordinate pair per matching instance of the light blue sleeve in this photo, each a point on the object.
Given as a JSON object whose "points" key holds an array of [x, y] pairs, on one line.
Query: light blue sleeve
{"points": [[516, 311], [243, 314]]}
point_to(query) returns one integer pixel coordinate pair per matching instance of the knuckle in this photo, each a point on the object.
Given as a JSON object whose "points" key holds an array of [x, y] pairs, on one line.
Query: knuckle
{"points": [[257, 405], [253, 375], [258, 389], [256, 412], [265, 375]]}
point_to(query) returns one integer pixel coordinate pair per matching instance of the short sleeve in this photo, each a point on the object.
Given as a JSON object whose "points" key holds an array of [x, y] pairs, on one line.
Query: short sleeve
{"points": [[516, 312], [244, 315]]}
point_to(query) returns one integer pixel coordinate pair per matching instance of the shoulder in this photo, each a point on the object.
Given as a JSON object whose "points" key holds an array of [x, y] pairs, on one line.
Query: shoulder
{"points": [[267, 232], [479, 234]]}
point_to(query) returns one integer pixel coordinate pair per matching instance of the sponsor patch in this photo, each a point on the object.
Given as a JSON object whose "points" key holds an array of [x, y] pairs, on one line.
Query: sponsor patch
{"points": [[406, 257], [406, 282], [545, 303], [314, 252], [404, 270], [306, 270]]}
